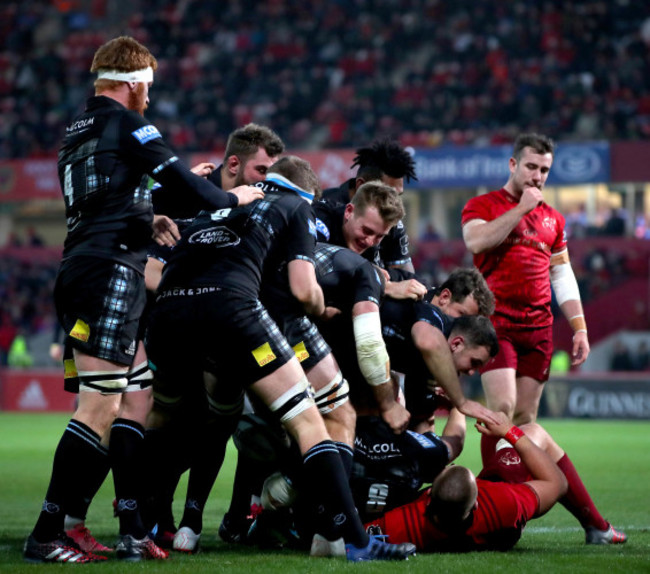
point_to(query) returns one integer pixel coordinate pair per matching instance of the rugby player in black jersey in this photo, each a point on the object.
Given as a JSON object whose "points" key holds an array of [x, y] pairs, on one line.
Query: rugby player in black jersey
{"points": [[416, 335], [390, 469], [209, 295], [354, 287], [250, 151], [108, 154]]}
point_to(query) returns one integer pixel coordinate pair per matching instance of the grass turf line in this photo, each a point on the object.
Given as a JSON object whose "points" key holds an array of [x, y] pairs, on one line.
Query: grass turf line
{"points": [[612, 457]]}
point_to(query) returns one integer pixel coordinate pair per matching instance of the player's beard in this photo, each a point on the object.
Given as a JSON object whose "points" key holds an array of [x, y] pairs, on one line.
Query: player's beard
{"points": [[239, 178], [137, 99]]}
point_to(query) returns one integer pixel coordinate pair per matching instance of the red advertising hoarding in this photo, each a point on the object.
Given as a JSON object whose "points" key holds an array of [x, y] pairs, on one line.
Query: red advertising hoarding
{"points": [[34, 390]]}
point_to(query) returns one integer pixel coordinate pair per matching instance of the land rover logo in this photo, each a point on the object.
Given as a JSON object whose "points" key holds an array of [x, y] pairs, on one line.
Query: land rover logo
{"points": [[218, 236], [576, 164]]}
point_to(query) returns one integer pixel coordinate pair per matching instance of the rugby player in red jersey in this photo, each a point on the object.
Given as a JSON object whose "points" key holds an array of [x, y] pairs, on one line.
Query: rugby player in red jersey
{"points": [[520, 481], [518, 242]]}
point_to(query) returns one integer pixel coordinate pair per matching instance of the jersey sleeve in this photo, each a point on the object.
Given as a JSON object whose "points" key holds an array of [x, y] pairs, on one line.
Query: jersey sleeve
{"points": [[476, 208], [182, 193], [368, 284], [301, 239], [143, 141], [324, 219], [561, 241], [433, 315], [502, 513]]}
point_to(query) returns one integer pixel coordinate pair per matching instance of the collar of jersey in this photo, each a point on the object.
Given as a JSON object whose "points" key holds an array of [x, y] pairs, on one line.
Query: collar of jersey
{"points": [[284, 182]]}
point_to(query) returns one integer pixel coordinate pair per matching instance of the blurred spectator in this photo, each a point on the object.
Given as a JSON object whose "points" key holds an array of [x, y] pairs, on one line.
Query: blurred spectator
{"points": [[621, 359], [560, 362], [577, 222], [432, 72], [430, 233], [8, 331], [33, 238], [19, 355], [641, 359], [641, 227], [13, 240], [615, 224]]}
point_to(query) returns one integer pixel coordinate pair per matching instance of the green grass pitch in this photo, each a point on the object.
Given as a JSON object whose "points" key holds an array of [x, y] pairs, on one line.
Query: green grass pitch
{"points": [[613, 458]]}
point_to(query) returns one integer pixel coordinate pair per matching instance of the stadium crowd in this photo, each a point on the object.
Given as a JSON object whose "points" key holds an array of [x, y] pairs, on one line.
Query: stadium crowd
{"points": [[430, 72]]}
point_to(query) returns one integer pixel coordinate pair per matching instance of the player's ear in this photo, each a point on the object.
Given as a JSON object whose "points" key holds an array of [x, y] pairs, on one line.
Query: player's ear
{"points": [[349, 210], [444, 297], [233, 164], [456, 343]]}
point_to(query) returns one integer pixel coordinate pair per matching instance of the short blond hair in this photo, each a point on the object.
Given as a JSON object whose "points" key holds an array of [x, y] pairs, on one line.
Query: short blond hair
{"points": [[124, 54], [381, 196]]}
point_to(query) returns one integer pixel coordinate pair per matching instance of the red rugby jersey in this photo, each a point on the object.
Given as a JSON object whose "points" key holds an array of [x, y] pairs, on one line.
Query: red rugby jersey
{"points": [[517, 270], [502, 512]]}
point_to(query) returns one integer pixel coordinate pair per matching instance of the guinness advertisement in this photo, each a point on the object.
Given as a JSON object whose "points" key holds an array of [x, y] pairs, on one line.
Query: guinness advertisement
{"points": [[615, 396]]}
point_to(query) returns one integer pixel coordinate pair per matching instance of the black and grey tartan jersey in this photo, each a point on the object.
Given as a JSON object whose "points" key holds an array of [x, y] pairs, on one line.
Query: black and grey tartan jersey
{"points": [[104, 165], [228, 248], [345, 277], [397, 319]]}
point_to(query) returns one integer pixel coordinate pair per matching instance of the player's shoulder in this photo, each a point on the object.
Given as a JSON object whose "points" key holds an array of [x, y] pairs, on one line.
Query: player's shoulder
{"points": [[483, 202], [136, 127], [342, 257]]}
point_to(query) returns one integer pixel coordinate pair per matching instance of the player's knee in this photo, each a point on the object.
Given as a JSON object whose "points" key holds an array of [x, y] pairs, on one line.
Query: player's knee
{"points": [[502, 405], [139, 377], [333, 396], [522, 418], [105, 382], [346, 416], [293, 402]]}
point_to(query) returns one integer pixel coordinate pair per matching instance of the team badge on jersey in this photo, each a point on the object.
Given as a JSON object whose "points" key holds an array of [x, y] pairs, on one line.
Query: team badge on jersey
{"points": [[549, 222], [146, 134]]}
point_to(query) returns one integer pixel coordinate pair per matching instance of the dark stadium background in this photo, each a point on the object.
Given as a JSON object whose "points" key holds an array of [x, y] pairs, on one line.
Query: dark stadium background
{"points": [[455, 81]]}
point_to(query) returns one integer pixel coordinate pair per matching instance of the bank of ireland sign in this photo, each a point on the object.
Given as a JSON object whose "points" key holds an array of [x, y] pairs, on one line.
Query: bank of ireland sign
{"points": [[450, 167]]}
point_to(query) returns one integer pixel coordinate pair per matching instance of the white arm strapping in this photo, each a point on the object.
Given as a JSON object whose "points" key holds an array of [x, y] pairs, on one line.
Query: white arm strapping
{"points": [[371, 349], [564, 283]]}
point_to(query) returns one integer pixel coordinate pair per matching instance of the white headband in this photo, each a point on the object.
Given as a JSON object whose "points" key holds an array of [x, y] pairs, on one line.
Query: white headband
{"points": [[145, 75]]}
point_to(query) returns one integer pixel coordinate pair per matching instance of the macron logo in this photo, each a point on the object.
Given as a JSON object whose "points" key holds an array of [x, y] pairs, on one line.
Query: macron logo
{"points": [[146, 133], [33, 397], [322, 228]]}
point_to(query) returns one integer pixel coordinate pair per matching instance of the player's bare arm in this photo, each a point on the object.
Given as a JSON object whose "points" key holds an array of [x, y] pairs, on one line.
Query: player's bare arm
{"points": [[549, 482], [567, 295], [454, 433], [574, 313], [304, 286], [480, 235], [435, 351], [392, 412]]}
